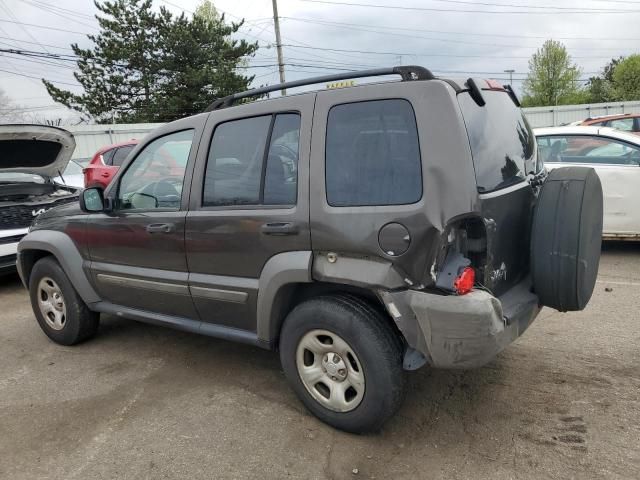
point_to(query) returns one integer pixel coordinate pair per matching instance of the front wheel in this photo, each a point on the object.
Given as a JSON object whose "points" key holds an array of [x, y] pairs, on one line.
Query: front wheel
{"points": [[60, 311], [344, 361]]}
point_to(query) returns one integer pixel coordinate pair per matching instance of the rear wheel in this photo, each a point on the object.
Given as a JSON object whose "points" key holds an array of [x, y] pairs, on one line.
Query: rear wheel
{"points": [[58, 308], [344, 361]]}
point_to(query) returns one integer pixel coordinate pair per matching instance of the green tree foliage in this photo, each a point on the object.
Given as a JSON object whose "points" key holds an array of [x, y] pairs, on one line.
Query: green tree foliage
{"points": [[620, 81], [148, 66], [626, 79], [552, 77], [207, 11], [600, 88]]}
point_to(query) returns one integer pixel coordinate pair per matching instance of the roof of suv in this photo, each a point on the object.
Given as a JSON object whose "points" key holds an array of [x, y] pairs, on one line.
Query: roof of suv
{"points": [[406, 72]]}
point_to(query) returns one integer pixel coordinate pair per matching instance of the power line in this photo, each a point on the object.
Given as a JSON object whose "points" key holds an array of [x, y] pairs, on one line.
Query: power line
{"points": [[37, 78], [8, 10], [448, 32], [444, 55], [50, 9], [432, 9], [38, 43], [42, 26], [538, 7], [68, 11], [435, 39]]}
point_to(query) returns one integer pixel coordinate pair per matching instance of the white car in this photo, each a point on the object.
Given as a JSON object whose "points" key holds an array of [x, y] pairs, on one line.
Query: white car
{"points": [[31, 160], [615, 155]]}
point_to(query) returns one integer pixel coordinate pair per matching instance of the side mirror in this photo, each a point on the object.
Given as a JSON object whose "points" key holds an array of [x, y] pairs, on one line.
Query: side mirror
{"points": [[92, 200]]}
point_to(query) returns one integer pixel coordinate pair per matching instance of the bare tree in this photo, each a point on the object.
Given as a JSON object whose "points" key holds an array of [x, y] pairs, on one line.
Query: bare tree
{"points": [[9, 111]]}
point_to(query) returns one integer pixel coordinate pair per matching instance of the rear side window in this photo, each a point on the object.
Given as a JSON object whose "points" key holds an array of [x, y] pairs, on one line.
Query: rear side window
{"points": [[122, 153], [107, 157], [624, 124], [253, 161], [372, 154], [502, 143]]}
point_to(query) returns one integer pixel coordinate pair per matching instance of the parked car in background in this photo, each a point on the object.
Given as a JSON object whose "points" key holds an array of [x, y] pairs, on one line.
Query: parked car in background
{"points": [[106, 162], [627, 122], [31, 159], [615, 155]]}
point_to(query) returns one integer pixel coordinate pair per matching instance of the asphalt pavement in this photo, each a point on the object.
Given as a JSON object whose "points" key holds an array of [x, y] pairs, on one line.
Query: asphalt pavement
{"points": [[140, 402]]}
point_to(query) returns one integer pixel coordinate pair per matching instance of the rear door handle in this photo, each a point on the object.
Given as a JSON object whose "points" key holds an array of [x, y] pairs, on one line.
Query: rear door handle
{"points": [[279, 228], [160, 228]]}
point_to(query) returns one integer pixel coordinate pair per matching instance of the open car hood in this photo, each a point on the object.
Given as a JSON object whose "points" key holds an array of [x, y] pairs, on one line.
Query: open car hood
{"points": [[36, 149]]}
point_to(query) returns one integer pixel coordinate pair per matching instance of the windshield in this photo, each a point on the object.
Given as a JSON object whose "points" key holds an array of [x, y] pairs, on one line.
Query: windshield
{"points": [[73, 168], [502, 143], [13, 177]]}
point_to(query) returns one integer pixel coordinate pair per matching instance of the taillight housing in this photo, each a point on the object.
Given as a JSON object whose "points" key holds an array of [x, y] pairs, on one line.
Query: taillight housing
{"points": [[463, 283]]}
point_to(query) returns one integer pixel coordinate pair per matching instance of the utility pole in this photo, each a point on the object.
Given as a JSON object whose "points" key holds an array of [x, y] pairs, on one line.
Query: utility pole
{"points": [[276, 23], [510, 72]]}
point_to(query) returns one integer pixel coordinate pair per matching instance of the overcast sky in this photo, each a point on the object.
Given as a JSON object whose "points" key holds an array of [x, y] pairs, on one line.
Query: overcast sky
{"points": [[451, 37]]}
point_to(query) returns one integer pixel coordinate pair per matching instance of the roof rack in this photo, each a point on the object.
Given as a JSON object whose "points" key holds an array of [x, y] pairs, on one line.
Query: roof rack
{"points": [[407, 72]]}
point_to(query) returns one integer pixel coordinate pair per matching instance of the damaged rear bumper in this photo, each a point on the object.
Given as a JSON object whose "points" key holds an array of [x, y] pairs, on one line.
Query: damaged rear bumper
{"points": [[465, 331]]}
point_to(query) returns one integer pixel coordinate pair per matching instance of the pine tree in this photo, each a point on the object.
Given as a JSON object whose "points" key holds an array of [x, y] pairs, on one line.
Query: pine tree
{"points": [[201, 63], [148, 66]]}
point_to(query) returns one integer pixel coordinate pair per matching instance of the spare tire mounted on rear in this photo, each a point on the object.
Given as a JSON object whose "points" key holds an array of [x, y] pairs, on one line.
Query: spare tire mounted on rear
{"points": [[566, 238]]}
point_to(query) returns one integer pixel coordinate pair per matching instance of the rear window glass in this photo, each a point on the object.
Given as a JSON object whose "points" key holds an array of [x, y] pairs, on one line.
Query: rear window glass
{"points": [[372, 154], [502, 143]]}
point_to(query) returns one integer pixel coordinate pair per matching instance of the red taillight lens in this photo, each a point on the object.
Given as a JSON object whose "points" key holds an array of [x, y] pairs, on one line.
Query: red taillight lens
{"points": [[464, 283]]}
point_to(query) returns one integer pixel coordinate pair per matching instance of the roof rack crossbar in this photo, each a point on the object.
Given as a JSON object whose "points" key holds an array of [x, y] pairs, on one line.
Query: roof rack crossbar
{"points": [[407, 72]]}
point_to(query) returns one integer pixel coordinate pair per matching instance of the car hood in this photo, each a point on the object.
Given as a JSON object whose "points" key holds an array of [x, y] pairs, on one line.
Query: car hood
{"points": [[36, 149]]}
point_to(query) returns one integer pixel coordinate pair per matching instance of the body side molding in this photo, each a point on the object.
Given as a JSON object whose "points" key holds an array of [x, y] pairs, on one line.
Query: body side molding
{"points": [[184, 324]]}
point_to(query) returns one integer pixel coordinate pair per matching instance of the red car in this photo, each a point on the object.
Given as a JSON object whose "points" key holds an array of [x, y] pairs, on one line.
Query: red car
{"points": [[105, 163], [627, 122]]}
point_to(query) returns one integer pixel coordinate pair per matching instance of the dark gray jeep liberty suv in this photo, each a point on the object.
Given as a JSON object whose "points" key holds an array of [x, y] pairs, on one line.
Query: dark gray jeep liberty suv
{"points": [[361, 231]]}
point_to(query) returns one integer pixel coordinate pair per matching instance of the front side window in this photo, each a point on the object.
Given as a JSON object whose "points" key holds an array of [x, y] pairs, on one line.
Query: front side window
{"points": [[155, 177], [372, 155], [253, 161], [588, 149]]}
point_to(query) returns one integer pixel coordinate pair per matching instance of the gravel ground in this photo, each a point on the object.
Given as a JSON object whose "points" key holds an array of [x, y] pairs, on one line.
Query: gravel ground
{"points": [[144, 402]]}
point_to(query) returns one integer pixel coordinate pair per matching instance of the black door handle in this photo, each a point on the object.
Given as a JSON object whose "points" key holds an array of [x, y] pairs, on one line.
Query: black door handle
{"points": [[279, 228], [160, 228]]}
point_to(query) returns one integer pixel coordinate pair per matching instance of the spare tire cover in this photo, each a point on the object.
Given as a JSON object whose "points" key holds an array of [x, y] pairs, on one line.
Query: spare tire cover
{"points": [[566, 238]]}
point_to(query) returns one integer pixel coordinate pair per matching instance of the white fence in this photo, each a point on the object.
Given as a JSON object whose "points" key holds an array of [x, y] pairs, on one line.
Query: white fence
{"points": [[561, 115], [90, 138]]}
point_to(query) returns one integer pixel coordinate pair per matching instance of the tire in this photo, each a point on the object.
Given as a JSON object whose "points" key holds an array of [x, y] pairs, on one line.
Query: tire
{"points": [[566, 238], [66, 323], [368, 368]]}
